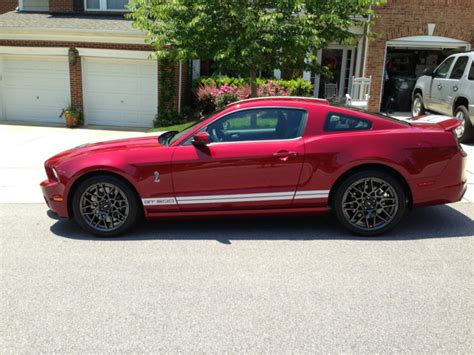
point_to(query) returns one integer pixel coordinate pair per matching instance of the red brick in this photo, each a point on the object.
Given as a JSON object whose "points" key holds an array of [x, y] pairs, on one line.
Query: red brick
{"points": [[401, 18], [8, 5]]}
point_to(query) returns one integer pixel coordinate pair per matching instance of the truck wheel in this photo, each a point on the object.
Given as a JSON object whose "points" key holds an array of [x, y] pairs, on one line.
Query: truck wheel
{"points": [[465, 131], [417, 107]]}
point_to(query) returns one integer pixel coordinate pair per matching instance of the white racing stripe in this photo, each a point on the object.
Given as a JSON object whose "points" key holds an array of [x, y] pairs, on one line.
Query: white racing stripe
{"points": [[273, 196], [311, 194]]}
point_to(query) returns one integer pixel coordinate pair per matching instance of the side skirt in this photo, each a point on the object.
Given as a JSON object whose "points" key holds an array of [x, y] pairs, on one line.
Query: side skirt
{"points": [[261, 212]]}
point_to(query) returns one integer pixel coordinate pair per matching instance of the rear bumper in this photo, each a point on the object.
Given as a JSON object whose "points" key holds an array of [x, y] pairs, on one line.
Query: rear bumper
{"points": [[53, 193], [450, 186]]}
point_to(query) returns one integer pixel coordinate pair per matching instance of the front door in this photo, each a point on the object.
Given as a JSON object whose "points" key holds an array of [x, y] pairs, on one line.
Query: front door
{"points": [[254, 161], [454, 84], [439, 87]]}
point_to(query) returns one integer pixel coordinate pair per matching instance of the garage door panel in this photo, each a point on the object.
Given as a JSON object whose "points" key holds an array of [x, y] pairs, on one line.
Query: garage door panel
{"points": [[120, 92], [34, 89]]}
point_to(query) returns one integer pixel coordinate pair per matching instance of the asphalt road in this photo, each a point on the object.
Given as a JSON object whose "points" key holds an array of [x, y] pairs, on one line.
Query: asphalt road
{"points": [[237, 285]]}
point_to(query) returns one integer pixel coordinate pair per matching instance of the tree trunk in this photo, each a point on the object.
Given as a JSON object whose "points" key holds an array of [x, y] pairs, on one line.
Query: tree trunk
{"points": [[253, 83]]}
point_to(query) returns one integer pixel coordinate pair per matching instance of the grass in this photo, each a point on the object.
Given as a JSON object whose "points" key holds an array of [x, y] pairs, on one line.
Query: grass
{"points": [[176, 127]]}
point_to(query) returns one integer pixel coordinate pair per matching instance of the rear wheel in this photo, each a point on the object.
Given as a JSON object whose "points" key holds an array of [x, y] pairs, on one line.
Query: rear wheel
{"points": [[465, 132], [105, 206], [370, 202], [417, 107]]}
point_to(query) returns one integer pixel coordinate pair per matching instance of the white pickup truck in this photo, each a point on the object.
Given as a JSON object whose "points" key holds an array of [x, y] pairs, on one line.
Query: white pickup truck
{"points": [[449, 90]]}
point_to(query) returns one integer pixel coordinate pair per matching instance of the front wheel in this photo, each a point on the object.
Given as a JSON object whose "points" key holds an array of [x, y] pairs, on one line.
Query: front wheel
{"points": [[105, 206], [465, 132], [370, 202], [417, 107]]}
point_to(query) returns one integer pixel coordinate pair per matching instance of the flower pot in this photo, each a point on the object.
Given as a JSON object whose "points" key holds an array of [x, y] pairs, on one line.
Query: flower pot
{"points": [[72, 120]]}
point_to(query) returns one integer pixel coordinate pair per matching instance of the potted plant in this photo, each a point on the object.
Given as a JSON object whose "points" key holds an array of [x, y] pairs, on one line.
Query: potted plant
{"points": [[72, 116]]}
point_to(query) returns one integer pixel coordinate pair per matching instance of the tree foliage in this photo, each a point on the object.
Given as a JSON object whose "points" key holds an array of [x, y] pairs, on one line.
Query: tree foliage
{"points": [[249, 35]]}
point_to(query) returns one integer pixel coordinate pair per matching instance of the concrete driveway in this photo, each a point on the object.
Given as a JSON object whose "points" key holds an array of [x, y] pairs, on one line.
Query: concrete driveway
{"points": [[25, 148]]}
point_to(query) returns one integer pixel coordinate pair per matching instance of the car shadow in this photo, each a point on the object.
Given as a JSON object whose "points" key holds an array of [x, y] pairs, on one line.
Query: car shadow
{"points": [[431, 222]]}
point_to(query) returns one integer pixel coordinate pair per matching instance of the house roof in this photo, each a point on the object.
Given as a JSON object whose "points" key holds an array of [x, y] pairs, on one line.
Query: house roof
{"points": [[42, 26], [36, 20]]}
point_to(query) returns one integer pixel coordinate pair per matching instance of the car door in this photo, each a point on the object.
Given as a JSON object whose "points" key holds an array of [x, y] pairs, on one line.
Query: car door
{"points": [[439, 87], [253, 161], [454, 83]]}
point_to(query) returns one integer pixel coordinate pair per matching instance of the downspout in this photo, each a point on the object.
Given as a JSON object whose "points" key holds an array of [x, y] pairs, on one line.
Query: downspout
{"points": [[180, 78], [366, 47]]}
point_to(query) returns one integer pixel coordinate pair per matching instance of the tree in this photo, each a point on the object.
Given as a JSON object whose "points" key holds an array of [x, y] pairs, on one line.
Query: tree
{"points": [[249, 35]]}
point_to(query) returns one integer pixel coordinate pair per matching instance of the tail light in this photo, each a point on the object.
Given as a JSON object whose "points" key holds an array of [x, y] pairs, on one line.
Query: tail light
{"points": [[458, 143]]}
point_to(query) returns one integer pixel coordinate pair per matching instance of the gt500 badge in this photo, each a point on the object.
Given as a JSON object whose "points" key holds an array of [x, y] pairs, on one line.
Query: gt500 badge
{"points": [[159, 201]]}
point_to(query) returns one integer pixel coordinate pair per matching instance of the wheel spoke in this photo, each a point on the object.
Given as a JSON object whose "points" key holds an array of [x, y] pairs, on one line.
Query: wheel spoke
{"points": [[370, 203], [104, 206]]}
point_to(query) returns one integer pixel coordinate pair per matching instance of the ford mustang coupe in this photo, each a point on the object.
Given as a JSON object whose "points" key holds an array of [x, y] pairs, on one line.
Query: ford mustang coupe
{"points": [[272, 156]]}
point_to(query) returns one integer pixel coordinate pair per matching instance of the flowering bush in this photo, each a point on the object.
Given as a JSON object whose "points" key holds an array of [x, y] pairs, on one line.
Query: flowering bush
{"points": [[226, 94], [271, 88], [214, 93]]}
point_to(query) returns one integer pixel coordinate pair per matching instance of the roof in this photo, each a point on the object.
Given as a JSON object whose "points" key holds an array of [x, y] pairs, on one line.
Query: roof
{"points": [[281, 98], [69, 28], [18, 20]]}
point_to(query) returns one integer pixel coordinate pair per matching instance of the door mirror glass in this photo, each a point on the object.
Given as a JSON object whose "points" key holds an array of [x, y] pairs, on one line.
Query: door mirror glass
{"points": [[201, 139]]}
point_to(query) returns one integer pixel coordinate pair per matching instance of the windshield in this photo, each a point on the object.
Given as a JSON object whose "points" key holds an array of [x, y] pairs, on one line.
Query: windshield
{"points": [[177, 135]]}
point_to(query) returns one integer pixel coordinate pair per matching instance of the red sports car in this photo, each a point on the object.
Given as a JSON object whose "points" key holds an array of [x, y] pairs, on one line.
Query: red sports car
{"points": [[272, 156]]}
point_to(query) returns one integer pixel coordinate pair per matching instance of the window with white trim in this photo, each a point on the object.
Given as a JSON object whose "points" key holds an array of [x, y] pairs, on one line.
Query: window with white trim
{"points": [[106, 5]]}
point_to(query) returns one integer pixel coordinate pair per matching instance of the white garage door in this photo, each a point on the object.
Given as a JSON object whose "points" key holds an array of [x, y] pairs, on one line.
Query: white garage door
{"points": [[33, 89], [119, 92]]}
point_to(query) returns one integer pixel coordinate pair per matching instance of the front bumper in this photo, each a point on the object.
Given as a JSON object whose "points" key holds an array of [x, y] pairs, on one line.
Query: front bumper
{"points": [[53, 193]]}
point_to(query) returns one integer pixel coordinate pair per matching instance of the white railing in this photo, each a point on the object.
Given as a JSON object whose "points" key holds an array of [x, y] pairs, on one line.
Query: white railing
{"points": [[360, 92]]}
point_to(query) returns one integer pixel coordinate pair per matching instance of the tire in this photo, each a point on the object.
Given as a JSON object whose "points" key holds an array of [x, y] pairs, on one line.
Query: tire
{"points": [[364, 214], [466, 133], [92, 210], [417, 106]]}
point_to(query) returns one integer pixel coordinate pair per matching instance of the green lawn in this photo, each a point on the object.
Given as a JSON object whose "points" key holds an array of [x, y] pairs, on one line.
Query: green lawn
{"points": [[177, 127]]}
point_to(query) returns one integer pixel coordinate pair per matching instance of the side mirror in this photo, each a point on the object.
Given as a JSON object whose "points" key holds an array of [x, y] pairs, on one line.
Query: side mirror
{"points": [[429, 72], [201, 139]]}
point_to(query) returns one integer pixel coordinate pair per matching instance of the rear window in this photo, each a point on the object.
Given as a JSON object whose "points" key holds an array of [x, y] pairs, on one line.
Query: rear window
{"points": [[336, 122]]}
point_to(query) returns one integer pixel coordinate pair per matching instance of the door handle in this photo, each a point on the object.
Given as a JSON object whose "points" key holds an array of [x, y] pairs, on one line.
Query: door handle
{"points": [[440, 86], [455, 88], [284, 155]]}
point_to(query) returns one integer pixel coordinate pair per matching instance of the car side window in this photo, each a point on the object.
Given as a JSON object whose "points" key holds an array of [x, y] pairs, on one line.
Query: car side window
{"points": [[443, 69], [471, 72], [336, 123], [459, 67], [258, 125]]}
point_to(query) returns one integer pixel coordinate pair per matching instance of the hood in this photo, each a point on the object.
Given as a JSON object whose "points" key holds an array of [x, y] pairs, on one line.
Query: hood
{"points": [[112, 146]]}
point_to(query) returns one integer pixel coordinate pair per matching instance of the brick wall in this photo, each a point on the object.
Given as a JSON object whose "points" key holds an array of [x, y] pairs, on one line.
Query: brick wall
{"points": [[401, 18], [75, 70], [61, 6], [8, 5], [75, 77]]}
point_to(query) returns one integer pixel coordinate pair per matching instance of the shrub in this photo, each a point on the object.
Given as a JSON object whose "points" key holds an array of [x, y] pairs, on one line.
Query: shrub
{"points": [[212, 93], [299, 87], [272, 88], [167, 117]]}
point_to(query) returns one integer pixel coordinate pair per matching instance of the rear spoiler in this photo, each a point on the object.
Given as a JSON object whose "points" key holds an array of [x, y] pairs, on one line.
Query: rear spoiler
{"points": [[446, 122]]}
